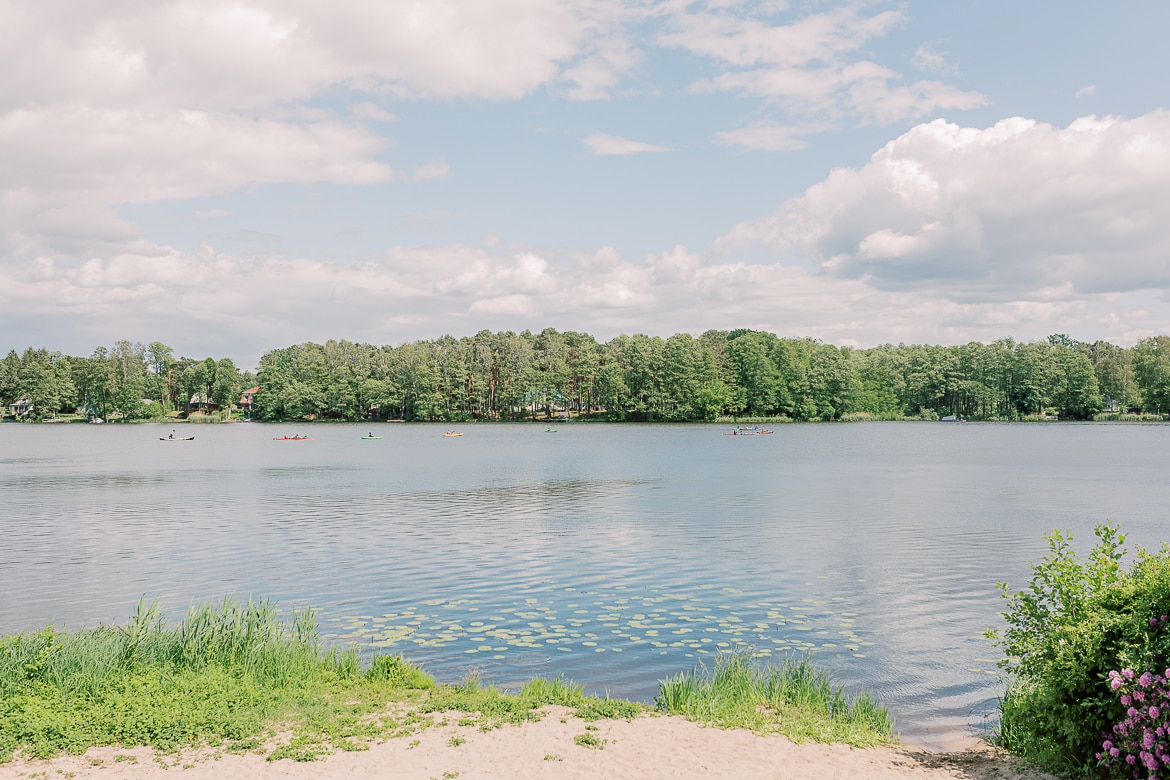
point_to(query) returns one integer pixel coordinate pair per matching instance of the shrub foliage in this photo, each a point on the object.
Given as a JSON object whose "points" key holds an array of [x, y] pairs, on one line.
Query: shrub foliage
{"points": [[1068, 633]]}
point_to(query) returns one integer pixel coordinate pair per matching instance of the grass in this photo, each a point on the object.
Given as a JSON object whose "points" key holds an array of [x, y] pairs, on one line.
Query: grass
{"points": [[795, 699], [240, 677]]}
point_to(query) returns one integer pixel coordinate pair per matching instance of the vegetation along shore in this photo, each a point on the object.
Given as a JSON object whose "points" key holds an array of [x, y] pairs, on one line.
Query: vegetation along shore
{"points": [[551, 374], [242, 679]]}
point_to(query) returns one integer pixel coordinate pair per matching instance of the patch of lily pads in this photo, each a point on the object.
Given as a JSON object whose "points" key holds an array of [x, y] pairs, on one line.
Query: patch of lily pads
{"points": [[544, 620]]}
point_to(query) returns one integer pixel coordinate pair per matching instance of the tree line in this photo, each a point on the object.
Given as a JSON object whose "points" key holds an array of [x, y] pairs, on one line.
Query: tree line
{"points": [[128, 381], [507, 375]]}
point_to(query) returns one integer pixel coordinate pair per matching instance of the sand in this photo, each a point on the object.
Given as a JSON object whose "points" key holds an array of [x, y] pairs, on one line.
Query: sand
{"points": [[647, 747]]}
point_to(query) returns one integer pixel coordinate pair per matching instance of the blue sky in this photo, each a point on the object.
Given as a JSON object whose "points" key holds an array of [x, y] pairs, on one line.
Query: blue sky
{"points": [[228, 177]]}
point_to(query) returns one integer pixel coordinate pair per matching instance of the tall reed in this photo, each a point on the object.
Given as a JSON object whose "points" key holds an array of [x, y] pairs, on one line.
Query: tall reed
{"points": [[795, 699]]}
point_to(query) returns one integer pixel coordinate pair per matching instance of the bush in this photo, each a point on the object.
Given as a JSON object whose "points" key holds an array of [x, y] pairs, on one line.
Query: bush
{"points": [[1140, 743], [1078, 623]]}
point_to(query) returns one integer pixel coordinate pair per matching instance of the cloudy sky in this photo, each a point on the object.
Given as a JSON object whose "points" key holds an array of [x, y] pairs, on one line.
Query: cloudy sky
{"points": [[228, 177]]}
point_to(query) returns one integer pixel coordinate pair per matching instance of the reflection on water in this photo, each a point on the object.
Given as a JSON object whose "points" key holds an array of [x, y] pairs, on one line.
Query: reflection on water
{"points": [[615, 555]]}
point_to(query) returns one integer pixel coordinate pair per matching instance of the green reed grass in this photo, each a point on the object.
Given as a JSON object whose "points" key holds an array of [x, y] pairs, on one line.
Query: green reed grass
{"points": [[795, 699], [239, 676], [234, 675]]}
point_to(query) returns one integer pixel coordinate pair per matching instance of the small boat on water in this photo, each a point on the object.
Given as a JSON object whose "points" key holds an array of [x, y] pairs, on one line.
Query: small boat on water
{"points": [[748, 432], [173, 437], [370, 438], [550, 430], [298, 437], [452, 433]]}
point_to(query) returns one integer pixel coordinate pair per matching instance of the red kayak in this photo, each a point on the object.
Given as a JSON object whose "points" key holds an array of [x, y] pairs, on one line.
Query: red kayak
{"points": [[292, 438]]}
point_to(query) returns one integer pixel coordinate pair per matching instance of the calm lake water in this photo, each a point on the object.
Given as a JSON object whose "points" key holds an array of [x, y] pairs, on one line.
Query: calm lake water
{"points": [[612, 554]]}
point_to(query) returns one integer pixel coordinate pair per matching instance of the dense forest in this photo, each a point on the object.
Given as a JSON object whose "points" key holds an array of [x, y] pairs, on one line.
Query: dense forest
{"points": [[506, 375]]}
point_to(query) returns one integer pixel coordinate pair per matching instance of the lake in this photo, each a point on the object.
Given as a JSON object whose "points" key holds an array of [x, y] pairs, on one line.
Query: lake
{"points": [[615, 555]]}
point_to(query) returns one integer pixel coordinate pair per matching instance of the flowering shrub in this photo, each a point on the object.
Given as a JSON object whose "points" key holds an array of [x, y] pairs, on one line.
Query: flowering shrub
{"points": [[1140, 744], [1068, 633]]}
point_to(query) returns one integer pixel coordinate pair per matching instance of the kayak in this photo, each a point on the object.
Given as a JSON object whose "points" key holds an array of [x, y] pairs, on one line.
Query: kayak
{"points": [[176, 438], [292, 438], [370, 438], [452, 433]]}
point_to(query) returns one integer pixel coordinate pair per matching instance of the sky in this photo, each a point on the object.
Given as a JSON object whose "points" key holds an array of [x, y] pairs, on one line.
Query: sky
{"points": [[232, 177]]}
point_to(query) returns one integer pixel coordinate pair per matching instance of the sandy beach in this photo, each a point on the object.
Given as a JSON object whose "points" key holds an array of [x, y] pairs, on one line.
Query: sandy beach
{"points": [[647, 747]]}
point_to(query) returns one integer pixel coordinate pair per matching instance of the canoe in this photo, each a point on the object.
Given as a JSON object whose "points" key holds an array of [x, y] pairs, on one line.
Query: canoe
{"points": [[292, 438], [176, 438], [452, 433]]}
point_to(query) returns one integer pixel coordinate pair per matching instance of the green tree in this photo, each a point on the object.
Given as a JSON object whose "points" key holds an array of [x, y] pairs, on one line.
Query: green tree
{"points": [[1074, 384], [757, 379], [1151, 366], [45, 378], [159, 358], [225, 390], [128, 371]]}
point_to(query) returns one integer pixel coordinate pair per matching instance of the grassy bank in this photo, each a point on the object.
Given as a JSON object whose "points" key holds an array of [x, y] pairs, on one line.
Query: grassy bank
{"points": [[240, 677]]}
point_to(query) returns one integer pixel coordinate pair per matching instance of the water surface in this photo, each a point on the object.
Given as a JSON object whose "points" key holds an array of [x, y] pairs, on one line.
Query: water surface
{"points": [[612, 554]]}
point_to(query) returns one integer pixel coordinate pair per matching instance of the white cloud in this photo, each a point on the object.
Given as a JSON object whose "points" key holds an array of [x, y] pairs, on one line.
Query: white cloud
{"points": [[108, 104], [602, 144], [809, 66], [144, 156], [983, 215], [421, 292], [435, 169], [372, 112], [929, 60], [223, 55], [766, 135], [1087, 91], [68, 169]]}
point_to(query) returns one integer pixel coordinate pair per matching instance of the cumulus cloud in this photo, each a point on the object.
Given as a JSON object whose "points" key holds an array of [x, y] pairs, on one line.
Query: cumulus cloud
{"points": [[109, 104], [145, 156], [602, 144], [948, 233], [1021, 207], [421, 292], [236, 55], [809, 66]]}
